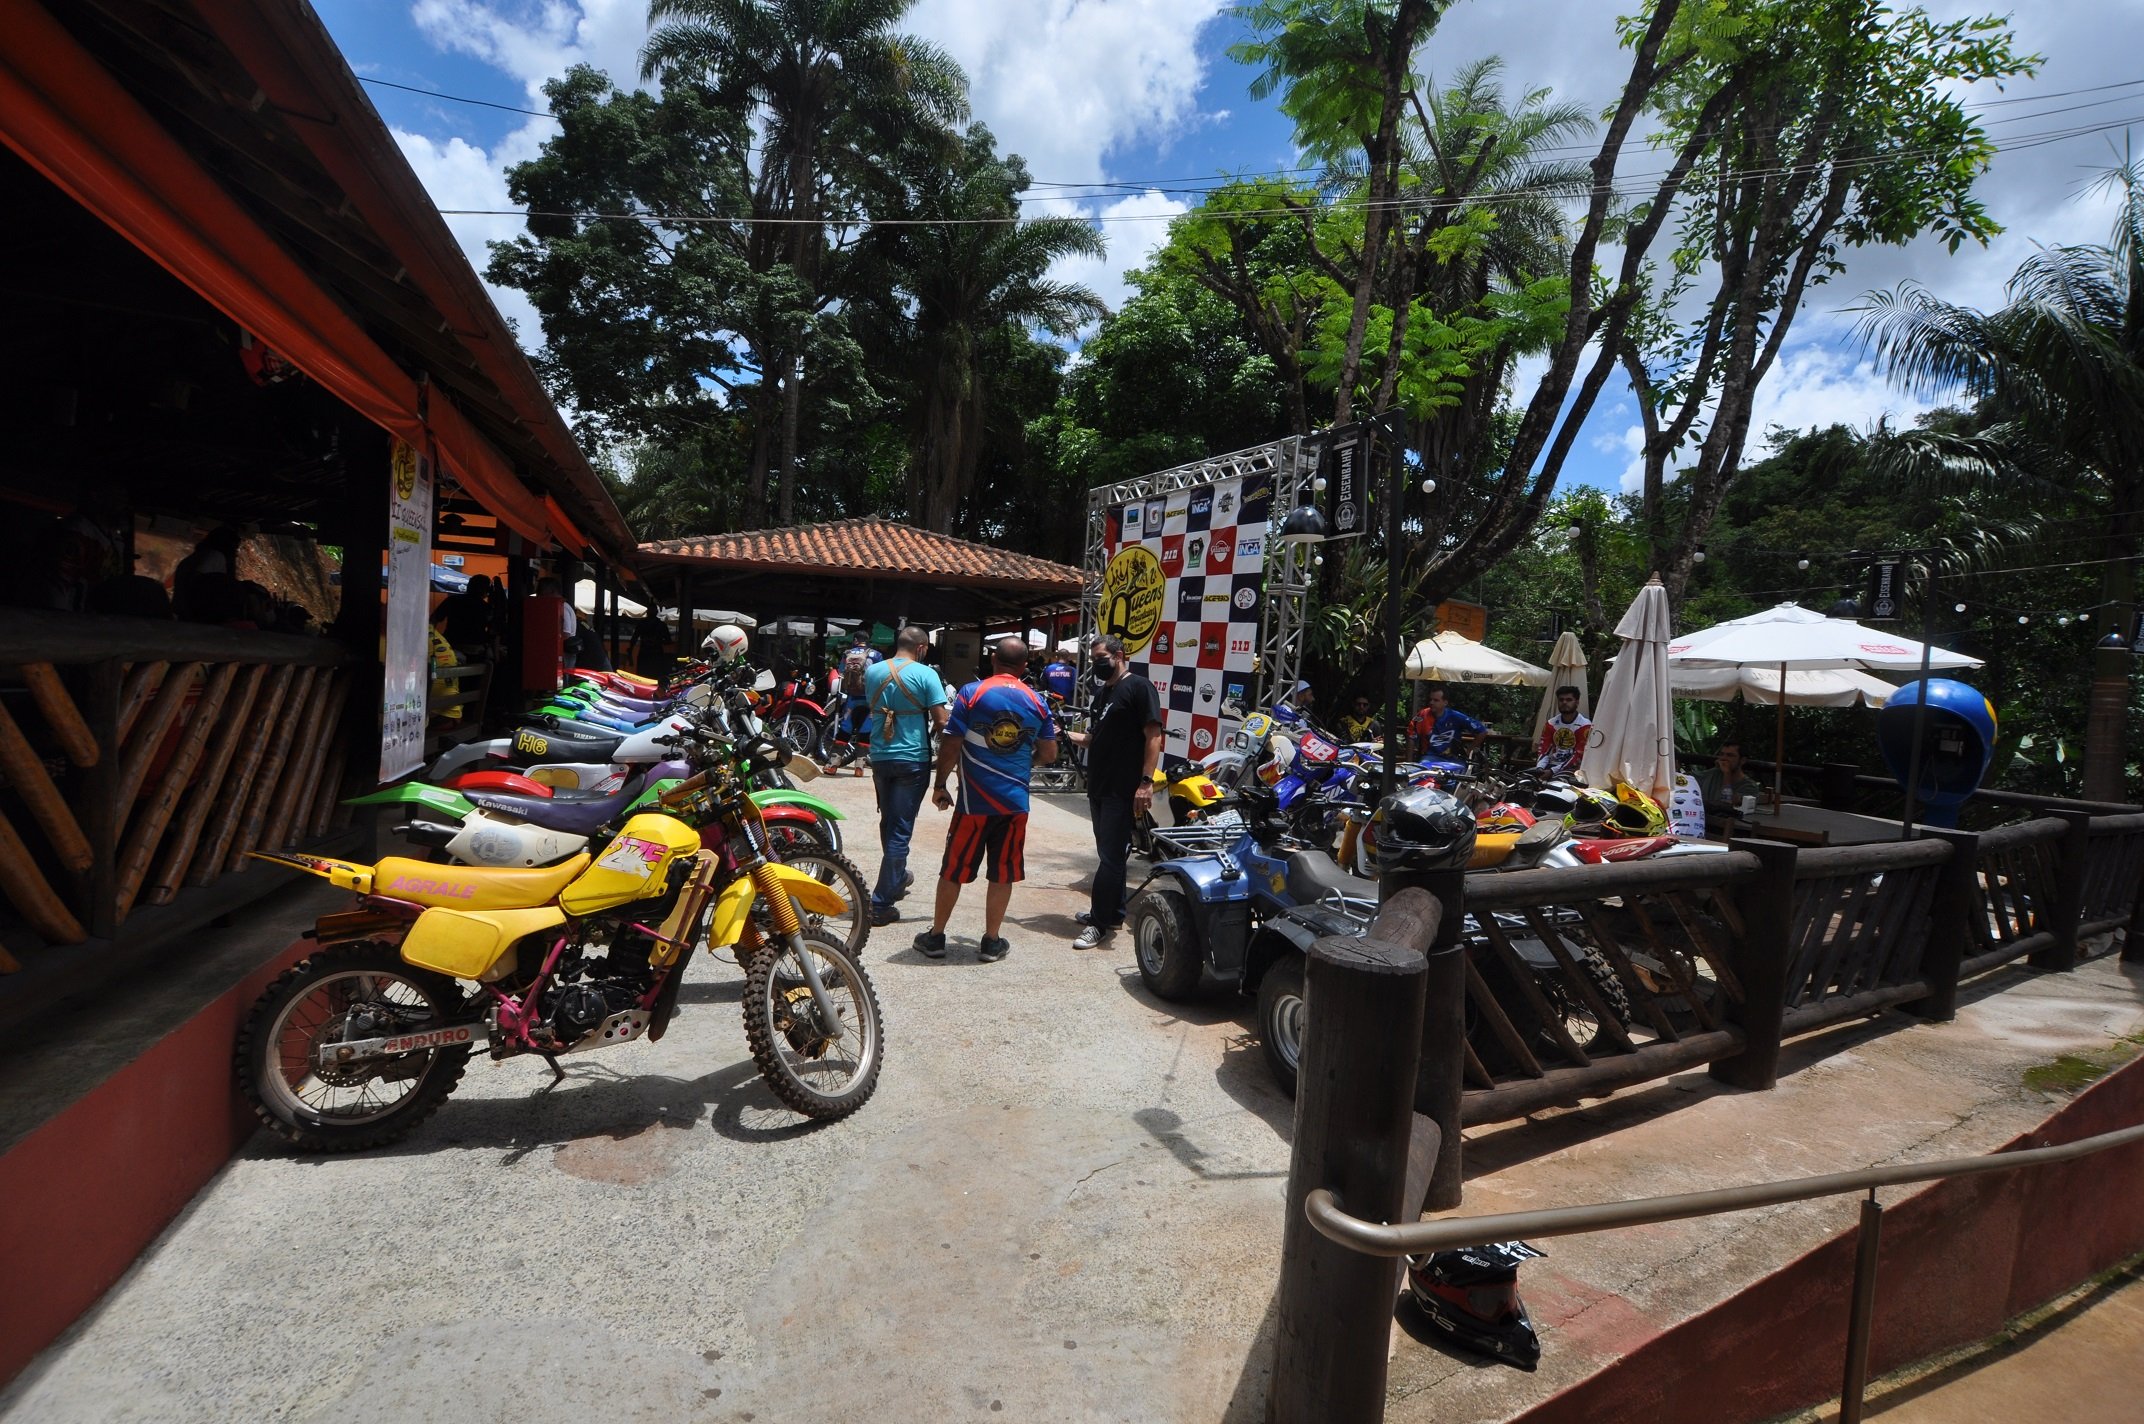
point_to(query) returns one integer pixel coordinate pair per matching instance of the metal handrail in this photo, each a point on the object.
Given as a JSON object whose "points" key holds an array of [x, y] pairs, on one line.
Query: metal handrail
{"points": [[1413, 1238]]}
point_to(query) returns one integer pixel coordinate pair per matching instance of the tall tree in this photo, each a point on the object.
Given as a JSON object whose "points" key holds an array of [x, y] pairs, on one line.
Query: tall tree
{"points": [[826, 85], [957, 281], [2060, 371], [1843, 127]]}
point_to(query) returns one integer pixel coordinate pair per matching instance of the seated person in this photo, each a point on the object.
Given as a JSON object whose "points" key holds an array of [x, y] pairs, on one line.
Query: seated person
{"points": [[1725, 785], [1442, 730], [1357, 725], [1563, 736]]}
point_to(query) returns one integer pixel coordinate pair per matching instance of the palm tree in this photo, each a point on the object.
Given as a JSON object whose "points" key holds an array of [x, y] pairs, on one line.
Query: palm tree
{"points": [[2060, 372], [831, 84], [962, 275]]}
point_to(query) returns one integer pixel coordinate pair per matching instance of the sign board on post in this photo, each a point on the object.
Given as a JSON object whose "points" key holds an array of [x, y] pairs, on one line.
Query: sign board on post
{"points": [[1887, 585], [407, 650], [1468, 620], [1345, 470]]}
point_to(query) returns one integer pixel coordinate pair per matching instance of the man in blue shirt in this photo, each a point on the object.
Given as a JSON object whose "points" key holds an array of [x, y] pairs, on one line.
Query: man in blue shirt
{"points": [[998, 733], [1441, 730], [907, 703], [852, 735], [1058, 679]]}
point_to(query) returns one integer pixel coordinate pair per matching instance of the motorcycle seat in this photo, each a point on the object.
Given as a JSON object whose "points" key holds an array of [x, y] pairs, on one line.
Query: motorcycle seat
{"points": [[473, 887], [1312, 875], [1596, 852], [561, 744]]}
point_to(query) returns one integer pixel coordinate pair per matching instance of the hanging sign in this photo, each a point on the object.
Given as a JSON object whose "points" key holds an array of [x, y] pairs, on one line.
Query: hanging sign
{"points": [[1344, 467], [406, 650], [1887, 585]]}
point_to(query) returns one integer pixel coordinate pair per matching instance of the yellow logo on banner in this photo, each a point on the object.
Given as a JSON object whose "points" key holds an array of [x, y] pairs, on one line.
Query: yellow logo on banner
{"points": [[1131, 597], [404, 465]]}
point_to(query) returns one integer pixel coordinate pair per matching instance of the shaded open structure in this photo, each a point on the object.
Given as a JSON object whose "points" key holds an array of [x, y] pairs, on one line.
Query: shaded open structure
{"points": [[874, 569]]}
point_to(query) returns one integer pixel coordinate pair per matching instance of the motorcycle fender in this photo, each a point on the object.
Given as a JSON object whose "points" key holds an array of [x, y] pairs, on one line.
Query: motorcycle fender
{"points": [[734, 905], [642, 744], [442, 799], [1276, 940], [474, 944], [469, 754], [1199, 790], [345, 874], [784, 797]]}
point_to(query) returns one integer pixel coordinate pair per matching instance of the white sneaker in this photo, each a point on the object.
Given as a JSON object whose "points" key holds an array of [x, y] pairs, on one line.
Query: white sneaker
{"points": [[1094, 937]]}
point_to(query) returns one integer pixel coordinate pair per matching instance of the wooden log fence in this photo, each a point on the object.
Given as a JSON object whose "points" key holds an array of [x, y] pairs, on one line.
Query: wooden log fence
{"points": [[1583, 981], [141, 757]]}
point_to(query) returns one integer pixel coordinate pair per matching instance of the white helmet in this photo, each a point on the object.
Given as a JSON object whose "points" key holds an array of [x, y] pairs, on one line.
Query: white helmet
{"points": [[726, 641]]}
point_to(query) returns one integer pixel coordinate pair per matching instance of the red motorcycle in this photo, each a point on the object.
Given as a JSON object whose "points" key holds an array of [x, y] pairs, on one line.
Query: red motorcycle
{"points": [[802, 724]]}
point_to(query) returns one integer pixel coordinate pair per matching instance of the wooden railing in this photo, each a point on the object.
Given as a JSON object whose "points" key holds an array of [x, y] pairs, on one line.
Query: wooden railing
{"points": [[1722, 958], [142, 758]]}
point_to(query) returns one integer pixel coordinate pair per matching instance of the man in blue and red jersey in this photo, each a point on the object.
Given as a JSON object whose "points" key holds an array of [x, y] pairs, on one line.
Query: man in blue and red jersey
{"points": [[999, 731]]}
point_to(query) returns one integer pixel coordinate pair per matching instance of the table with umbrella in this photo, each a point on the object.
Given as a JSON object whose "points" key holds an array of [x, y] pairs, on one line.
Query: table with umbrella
{"points": [[1789, 639]]}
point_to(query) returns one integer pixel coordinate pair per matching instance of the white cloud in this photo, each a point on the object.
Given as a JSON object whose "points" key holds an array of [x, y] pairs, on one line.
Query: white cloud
{"points": [[459, 175], [1133, 227]]}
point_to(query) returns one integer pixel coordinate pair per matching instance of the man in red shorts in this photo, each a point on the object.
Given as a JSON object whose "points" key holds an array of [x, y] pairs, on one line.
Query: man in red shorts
{"points": [[998, 733]]}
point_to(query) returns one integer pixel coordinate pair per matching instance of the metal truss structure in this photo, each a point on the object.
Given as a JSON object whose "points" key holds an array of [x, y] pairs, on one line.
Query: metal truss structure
{"points": [[1292, 463]]}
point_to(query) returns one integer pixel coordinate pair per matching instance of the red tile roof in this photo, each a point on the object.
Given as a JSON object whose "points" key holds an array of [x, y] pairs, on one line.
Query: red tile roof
{"points": [[869, 548]]}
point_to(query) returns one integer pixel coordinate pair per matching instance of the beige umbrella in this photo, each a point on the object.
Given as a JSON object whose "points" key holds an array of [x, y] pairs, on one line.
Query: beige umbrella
{"points": [[1836, 687], [1453, 657], [1567, 668], [1634, 722]]}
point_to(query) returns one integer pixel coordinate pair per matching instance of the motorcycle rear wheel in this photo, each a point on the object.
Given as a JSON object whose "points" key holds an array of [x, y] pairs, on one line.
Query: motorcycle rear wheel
{"points": [[807, 1070], [274, 1062]]}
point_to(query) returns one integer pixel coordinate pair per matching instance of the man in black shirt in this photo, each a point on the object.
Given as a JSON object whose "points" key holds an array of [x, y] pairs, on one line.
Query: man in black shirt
{"points": [[1123, 750]]}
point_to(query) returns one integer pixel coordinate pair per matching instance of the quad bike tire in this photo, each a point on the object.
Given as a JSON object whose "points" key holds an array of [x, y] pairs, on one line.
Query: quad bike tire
{"points": [[780, 1018], [1283, 1014], [260, 1051], [1163, 942]]}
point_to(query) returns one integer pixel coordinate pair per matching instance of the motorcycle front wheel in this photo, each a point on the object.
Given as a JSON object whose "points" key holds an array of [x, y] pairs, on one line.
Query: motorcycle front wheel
{"points": [[852, 927], [808, 1068], [347, 992]]}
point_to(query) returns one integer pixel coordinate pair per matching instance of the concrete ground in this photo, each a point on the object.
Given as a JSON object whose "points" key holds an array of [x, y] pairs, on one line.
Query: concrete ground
{"points": [[1062, 1205]]}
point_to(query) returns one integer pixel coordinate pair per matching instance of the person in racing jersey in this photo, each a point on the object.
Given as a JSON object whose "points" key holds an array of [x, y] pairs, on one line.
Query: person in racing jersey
{"points": [[1442, 730], [1563, 736], [999, 731]]}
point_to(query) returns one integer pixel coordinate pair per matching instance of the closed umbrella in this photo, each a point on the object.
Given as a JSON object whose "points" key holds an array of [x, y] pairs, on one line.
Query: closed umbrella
{"points": [[1453, 657], [1634, 722], [1566, 668], [1790, 637]]}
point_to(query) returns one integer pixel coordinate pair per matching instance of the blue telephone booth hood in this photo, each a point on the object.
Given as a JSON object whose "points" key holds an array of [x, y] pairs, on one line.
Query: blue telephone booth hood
{"points": [[1957, 742]]}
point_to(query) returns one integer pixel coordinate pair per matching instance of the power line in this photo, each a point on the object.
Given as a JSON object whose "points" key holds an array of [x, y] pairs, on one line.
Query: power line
{"points": [[1637, 186], [458, 98]]}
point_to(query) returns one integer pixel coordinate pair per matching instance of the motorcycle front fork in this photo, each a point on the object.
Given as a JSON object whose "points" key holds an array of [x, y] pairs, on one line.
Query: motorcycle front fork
{"points": [[782, 912]]}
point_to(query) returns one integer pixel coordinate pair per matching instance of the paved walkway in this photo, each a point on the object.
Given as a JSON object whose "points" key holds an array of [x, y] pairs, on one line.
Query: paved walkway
{"points": [[1063, 1204]]}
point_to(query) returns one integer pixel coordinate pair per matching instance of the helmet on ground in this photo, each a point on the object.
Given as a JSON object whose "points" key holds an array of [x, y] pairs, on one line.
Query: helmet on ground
{"points": [[1424, 829], [1472, 1297], [726, 641]]}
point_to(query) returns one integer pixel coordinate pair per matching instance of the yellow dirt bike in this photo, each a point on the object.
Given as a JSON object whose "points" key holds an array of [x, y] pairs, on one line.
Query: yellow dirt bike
{"points": [[365, 1038]]}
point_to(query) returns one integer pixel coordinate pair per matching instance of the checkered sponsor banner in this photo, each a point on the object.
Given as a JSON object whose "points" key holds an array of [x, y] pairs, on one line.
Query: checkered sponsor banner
{"points": [[1183, 585]]}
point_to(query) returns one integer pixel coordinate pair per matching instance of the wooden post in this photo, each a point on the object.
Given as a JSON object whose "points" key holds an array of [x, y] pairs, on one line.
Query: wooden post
{"points": [[1440, 1070], [156, 814], [1354, 1116], [66, 722], [268, 783], [26, 771], [1950, 925], [101, 697], [2072, 855], [1759, 957]]}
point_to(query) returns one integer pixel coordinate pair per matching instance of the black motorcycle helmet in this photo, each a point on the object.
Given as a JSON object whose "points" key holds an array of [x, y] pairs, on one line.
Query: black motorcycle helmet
{"points": [[1471, 1296], [1424, 829]]}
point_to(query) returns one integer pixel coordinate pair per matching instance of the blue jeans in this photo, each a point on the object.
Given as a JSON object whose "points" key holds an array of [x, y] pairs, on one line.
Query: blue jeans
{"points": [[900, 799]]}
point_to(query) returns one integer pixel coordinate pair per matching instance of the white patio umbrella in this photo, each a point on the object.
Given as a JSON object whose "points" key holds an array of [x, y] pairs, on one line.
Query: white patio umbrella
{"points": [[1454, 657], [1790, 637], [1806, 687], [584, 601], [1567, 668], [1634, 722]]}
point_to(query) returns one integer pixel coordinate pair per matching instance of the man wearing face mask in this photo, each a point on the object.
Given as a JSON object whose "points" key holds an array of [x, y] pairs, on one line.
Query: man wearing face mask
{"points": [[1123, 750]]}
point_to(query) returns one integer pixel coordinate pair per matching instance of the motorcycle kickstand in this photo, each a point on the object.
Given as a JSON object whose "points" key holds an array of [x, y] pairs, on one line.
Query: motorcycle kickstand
{"points": [[558, 1074]]}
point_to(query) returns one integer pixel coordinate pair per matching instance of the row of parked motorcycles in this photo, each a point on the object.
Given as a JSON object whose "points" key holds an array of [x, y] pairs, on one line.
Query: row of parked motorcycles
{"points": [[561, 880], [1279, 837]]}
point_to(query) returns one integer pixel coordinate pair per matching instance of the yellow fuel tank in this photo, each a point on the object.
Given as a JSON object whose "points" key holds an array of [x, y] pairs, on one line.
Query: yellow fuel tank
{"points": [[634, 866]]}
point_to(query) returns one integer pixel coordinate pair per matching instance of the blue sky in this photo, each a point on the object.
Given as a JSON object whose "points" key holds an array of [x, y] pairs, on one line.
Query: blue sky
{"points": [[1140, 93]]}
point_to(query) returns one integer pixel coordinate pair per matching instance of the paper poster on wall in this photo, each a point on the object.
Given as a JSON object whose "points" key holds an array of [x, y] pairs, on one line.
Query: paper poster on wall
{"points": [[1184, 587], [406, 652]]}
